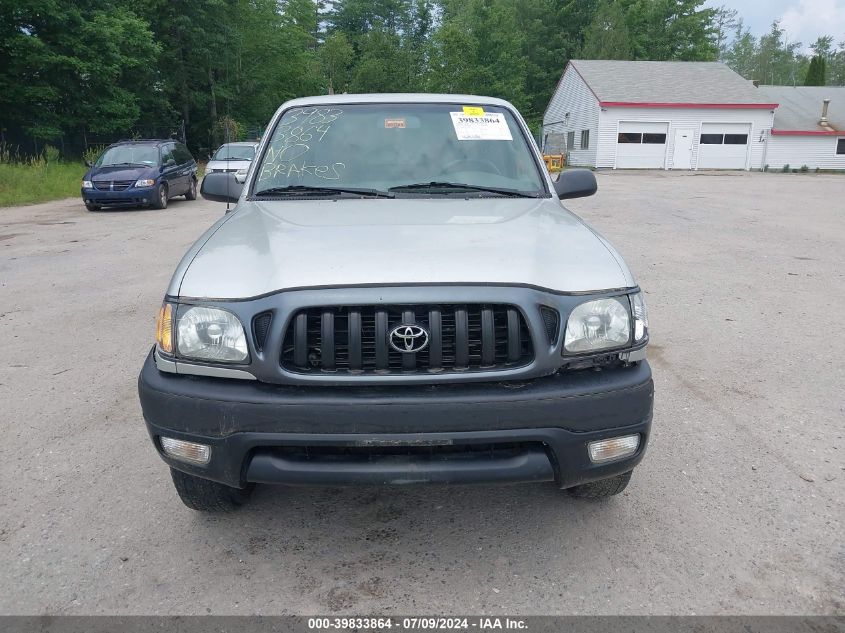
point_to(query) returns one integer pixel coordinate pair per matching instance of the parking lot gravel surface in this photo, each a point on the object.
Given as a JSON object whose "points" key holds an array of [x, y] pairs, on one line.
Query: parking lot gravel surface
{"points": [[737, 508]]}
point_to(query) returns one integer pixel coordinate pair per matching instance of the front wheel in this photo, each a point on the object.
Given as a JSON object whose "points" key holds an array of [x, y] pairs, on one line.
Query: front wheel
{"points": [[161, 197], [602, 488], [93, 207], [192, 190], [204, 495]]}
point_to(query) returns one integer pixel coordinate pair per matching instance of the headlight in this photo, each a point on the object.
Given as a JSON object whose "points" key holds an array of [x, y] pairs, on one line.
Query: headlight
{"points": [[86, 184], [597, 325], [145, 183], [210, 334], [640, 317]]}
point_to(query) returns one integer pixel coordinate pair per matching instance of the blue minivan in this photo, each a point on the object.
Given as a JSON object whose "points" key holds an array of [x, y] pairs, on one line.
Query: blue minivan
{"points": [[140, 173]]}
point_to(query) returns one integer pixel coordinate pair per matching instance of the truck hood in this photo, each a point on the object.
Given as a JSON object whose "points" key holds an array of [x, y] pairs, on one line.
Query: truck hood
{"points": [[265, 247]]}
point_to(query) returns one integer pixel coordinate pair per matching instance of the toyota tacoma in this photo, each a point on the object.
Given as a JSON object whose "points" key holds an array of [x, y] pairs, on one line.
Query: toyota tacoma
{"points": [[398, 296]]}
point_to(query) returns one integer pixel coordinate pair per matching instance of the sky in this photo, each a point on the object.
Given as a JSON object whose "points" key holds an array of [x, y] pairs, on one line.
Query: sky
{"points": [[803, 20]]}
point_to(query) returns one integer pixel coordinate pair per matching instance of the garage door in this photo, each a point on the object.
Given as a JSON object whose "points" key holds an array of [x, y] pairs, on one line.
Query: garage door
{"points": [[641, 145], [723, 145]]}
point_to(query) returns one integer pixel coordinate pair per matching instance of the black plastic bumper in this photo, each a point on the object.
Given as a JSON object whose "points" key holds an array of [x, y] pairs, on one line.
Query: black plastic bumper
{"points": [[127, 198], [467, 433]]}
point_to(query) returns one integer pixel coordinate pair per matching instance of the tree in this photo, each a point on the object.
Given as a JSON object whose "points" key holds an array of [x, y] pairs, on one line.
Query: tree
{"points": [[725, 20], [742, 53], [71, 67], [816, 72], [336, 57], [607, 36]]}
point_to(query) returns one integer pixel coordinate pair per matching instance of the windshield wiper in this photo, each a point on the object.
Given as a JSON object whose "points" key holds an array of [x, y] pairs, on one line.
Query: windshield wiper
{"points": [[464, 187], [122, 164], [232, 158], [309, 189]]}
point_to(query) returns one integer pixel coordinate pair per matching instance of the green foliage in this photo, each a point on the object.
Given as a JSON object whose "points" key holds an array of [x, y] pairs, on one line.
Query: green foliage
{"points": [[607, 36], [51, 155], [25, 181], [816, 72], [92, 153], [774, 60], [89, 70]]}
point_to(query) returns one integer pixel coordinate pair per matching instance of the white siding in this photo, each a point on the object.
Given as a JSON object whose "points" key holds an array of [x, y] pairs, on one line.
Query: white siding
{"points": [[796, 151], [574, 108], [681, 118]]}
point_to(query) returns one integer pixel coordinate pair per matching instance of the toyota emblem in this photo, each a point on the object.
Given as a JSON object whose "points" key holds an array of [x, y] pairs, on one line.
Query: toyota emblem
{"points": [[408, 339]]}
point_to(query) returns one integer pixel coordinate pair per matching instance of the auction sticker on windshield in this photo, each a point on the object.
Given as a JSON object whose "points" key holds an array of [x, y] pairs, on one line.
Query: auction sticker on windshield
{"points": [[490, 127]]}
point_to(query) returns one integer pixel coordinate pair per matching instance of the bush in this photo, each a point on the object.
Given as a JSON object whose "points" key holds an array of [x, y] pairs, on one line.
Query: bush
{"points": [[92, 153], [804, 169], [785, 168], [51, 155]]}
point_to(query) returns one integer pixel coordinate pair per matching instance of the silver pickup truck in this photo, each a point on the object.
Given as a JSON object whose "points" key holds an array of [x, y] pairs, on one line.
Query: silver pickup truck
{"points": [[398, 296]]}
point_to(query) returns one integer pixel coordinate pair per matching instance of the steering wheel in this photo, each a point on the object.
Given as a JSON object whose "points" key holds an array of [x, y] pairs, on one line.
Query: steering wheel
{"points": [[473, 165]]}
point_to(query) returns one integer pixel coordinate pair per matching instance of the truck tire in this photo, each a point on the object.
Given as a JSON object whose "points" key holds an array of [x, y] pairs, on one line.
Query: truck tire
{"points": [[602, 488], [208, 496]]}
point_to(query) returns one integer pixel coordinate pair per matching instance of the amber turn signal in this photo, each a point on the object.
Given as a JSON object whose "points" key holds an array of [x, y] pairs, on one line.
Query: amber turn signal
{"points": [[164, 328]]}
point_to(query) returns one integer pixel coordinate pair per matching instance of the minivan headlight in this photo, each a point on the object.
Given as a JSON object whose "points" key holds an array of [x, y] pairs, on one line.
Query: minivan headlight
{"points": [[210, 334], [145, 182], [86, 184], [597, 325]]}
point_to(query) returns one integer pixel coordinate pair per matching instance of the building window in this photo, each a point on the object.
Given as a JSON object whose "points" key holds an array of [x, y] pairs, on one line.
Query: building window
{"points": [[570, 140], [736, 139], [712, 139], [840, 147], [654, 139], [585, 139], [630, 137]]}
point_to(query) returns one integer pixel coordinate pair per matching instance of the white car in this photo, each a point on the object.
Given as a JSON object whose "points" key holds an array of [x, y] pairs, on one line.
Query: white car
{"points": [[232, 157]]}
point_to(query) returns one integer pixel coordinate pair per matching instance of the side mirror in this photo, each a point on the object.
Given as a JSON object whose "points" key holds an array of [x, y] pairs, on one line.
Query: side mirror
{"points": [[221, 187], [576, 183], [88, 163], [169, 162]]}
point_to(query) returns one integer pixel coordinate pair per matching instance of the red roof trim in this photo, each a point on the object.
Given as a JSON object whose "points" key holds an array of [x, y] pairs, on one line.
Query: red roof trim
{"points": [[807, 132], [726, 106]]}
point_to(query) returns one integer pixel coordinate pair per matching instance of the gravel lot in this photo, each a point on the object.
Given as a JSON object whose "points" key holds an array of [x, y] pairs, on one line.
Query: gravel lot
{"points": [[738, 507]]}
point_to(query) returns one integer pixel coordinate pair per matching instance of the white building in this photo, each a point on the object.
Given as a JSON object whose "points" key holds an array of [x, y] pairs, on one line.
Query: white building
{"points": [[659, 115], [807, 132]]}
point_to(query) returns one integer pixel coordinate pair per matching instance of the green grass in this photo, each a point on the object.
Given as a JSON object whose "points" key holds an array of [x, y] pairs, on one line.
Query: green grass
{"points": [[38, 181]]}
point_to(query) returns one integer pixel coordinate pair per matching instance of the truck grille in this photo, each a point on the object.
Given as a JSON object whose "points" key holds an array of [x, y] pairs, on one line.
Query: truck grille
{"points": [[112, 185], [355, 339]]}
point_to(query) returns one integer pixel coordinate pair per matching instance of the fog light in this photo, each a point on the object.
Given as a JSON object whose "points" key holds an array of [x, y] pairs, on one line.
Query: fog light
{"points": [[190, 452], [613, 448]]}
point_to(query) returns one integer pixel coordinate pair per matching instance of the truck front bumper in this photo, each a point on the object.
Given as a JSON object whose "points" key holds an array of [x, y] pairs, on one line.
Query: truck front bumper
{"points": [[459, 433]]}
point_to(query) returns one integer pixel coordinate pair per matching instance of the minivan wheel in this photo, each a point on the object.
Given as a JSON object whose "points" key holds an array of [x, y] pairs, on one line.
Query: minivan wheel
{"points": [[208, 496], [161, 197], [93, 207], [192, 190], [602, 488]]}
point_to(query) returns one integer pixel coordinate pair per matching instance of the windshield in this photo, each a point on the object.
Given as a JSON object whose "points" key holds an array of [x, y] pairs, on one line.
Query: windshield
{"points": [[129, 155], [384, 147], [234, 152]]}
